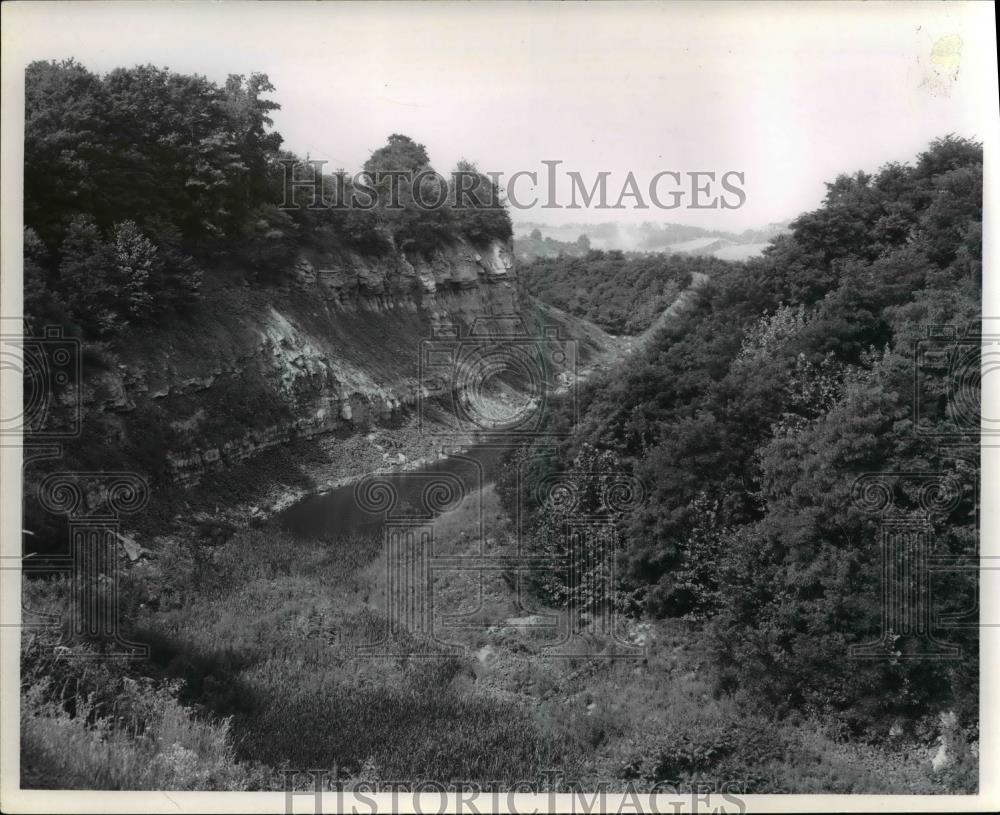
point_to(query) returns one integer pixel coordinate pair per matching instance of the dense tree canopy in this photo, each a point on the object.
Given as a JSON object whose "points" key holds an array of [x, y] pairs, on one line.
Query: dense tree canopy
{"points": [[422, 209], [137, 180], [132, 176], [750, 419], [621, 293]]}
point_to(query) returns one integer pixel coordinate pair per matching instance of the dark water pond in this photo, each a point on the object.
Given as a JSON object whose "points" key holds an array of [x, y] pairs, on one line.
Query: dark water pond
{"points": [[363, 507]]}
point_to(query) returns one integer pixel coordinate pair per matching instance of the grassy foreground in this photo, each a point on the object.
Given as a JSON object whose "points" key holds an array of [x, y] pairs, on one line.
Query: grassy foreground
{"points": [[254, 668]]}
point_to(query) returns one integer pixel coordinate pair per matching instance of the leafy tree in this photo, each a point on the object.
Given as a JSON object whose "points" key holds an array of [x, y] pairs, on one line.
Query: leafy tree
{"points": [[622, 295], [66, 145], [136, 262], [751, 416], [584, 493], [89, 279], [479, 213], [412, 205], [171, 173]]}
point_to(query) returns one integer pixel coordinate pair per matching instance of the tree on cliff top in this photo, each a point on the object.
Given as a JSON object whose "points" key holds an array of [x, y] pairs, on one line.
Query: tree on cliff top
{"points": [[422, 210]]}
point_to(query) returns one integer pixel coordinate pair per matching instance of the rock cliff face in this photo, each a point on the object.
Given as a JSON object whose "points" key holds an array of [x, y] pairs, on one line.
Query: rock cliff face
{"points": [[332, 348], [456, 280]]}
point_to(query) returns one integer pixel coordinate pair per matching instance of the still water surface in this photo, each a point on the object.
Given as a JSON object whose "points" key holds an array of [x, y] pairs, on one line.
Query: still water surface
{"points": [[431, 489]]}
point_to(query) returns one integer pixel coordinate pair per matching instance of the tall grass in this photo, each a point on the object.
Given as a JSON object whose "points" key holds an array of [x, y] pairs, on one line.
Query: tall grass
{"points": [[279, 620], [172, 750], [255, 669], [97, 723]]}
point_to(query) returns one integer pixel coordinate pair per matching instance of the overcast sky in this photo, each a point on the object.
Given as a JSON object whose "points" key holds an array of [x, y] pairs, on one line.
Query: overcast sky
{"points": [[789, 95]]}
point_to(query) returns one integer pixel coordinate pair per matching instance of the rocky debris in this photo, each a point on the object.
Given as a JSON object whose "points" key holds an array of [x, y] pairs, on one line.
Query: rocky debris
{"points": [[114, 396], [587, 669], [639, 633], [487, 656], [531, 621], [133, 551], [954, 747]]}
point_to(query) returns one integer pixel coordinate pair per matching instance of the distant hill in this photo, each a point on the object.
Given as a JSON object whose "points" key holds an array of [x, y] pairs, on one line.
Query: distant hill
{"points": [[623, 294], [534, 240]]}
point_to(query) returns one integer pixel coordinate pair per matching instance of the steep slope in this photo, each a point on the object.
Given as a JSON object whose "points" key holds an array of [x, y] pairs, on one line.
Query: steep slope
{"points": [[334, 349], [328, 357]]}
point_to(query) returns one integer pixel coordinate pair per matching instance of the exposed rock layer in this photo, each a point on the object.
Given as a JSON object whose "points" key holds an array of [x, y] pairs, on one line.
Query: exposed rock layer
{"points": [[335, 347]]}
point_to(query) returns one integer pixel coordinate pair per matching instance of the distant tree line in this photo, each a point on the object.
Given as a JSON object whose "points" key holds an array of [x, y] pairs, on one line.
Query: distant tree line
{"points": [[622, 293], [535, 245]]}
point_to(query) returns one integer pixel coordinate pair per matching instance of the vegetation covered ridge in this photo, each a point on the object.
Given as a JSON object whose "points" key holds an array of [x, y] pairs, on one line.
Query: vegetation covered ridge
{"points": [[750, 419], [141, 182]]}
